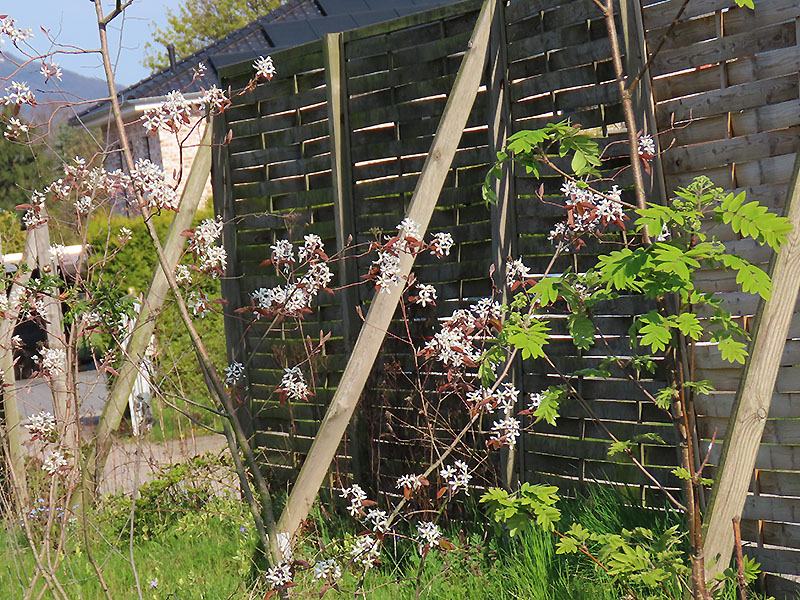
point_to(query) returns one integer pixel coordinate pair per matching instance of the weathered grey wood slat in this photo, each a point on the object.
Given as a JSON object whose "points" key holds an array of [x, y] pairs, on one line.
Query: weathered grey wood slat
{"points": [[765, 39], [722, 152]]}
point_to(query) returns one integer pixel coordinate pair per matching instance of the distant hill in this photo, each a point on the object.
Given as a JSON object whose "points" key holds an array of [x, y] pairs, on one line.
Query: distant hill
{"points": [[73, 87]]}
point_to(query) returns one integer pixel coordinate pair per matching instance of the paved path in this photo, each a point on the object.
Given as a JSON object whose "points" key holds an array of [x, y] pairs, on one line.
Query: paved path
{"points": [[118, 476]]}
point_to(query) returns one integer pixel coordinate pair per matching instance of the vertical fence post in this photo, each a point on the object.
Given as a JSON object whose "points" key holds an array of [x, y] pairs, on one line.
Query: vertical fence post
{"points": [[342, 169], [504, 212], [13, 421], [56, 340], [224, 206]]}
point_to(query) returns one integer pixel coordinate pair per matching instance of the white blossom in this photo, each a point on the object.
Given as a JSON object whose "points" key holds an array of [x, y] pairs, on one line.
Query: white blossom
{"points": [[428, 535], [183, 274], [506, 397], [647, 145], [327, 570], [18, 92], [199, 303], [293, 384], [205, 234], [215, 98], [50, 70], [54, 462], [84, 205], [409, 228], [17, 35], [200, 69], [283, 255], [264, 68], [51, 361], [536, 399], [505, 432], [173, 114], [378, 519], [366, 551], [312, 244], [517, 271], [150, 181], [356, 496], [233, 373], [279, 576], [456, 476], [214, 260], [388, 265], [15, 128], [57, 252], [41, 425], [409, 481], [441, 244], [426, 294], [486, 309], [124, 235]]}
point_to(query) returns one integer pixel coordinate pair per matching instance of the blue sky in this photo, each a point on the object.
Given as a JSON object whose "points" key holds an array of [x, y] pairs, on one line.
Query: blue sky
{"points": [[73, 22]]}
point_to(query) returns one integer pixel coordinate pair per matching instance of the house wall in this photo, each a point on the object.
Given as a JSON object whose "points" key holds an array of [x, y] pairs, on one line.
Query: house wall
{"points": [[174, 153]]}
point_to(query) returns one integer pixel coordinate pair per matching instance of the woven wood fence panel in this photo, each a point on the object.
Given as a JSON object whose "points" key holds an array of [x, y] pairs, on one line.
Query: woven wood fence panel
{"points": [[275, 181], [726, 84]]}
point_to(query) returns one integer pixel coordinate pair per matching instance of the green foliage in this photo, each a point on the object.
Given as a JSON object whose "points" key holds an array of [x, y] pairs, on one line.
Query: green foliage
{"points": [[197, 24], [129, 269], [12, 236], [531, 148], [529, 338], [161, 503], [21, 171], [549, 402], [516, 511]]}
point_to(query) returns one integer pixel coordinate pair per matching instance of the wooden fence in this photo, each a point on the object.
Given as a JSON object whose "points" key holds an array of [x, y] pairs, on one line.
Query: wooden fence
{"points": [[727, 81], [334, 146]]}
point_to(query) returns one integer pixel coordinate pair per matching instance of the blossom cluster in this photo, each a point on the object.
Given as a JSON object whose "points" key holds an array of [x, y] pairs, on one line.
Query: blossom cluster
{"points": [[293, 384], [326, 570], [356, 496], [16, 34], [18, 93], [54, 462], [410, 482], [385, 270], [15, 129], [295, 298], [505, 431], [233, 373], [213, 259], [428, 535], [265, 69], [51, 361], [587, 210], [177, 111], [516, 273], [366, 551], [456, 476], [151, 182], [454, 345], [48, 71], [41, 425], [279, 576], [646, 146]]}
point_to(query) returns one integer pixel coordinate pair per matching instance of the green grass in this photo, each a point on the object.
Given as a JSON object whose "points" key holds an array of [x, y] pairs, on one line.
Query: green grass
{"points": [[193, 546]]}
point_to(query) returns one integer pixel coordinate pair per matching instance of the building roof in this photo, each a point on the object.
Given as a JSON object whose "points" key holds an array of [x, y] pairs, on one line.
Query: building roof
{"points": [[294, 23]]}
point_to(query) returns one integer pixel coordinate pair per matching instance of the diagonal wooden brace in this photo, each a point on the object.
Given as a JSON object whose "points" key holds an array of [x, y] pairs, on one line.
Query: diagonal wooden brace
{"points": [[754, 396]]}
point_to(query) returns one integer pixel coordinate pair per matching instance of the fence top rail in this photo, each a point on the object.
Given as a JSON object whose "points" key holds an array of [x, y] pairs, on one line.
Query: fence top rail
{"points": [[245, 66]]}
